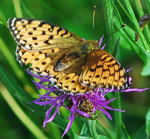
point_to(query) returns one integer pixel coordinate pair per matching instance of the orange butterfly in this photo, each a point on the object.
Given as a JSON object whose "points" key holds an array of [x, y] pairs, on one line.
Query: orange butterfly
{"points": [[76, 65]]}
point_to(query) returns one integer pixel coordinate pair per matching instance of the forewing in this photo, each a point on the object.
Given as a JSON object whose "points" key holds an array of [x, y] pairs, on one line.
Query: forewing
{"points": [[41, 62], [104, 71], [39, 35]]}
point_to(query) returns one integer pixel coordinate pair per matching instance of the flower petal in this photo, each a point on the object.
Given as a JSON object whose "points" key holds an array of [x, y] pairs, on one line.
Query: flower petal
{"points": [[72, 117], [135, 90]]}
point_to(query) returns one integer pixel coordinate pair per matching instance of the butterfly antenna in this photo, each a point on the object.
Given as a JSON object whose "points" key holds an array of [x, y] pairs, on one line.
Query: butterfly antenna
{"points": [[122, 26], [101, 39], [94, 12]]}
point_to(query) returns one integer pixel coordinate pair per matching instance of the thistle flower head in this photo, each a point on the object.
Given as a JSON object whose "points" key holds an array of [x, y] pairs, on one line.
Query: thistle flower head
{"points": [[84, 105]]}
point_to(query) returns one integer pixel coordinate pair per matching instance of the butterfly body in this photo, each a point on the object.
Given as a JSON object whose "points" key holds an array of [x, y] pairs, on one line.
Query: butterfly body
{"points": [[75, 65], [66, 61], [75, 54]]}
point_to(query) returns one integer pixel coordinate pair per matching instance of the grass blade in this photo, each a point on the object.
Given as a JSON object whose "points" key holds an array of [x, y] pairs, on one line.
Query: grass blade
{"points": [[20, 113], [17, 7], [148, 124]]}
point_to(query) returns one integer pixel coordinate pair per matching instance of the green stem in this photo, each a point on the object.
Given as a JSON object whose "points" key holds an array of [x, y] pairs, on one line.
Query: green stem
{"points": [[107, 131], [109, 23], [20, 113], [125, 131], [118, 117], [130, 10], [140, 11], [92, 128], [129, 33], [17, 8], [4, 49]]}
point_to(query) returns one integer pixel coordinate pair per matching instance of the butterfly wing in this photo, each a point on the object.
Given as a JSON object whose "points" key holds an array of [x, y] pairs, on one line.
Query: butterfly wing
{"points": [[104, 71], [39, 35], [43, 47], [97, 69], [44, 63], [53, 51]]}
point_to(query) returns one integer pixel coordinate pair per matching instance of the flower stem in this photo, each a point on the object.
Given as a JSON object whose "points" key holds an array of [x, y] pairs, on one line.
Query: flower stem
{"points": [[105, 128], [92, 128], [118, 117]]}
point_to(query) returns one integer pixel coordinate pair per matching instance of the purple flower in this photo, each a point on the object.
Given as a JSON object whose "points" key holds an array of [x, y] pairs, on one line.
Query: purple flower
{"points": [[84, 105]]}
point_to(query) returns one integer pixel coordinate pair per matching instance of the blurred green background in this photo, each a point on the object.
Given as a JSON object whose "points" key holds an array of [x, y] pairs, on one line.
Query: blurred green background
{"points": [[17, 89]]}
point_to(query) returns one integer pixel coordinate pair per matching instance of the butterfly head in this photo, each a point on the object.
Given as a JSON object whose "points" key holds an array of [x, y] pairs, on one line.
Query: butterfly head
{"points": [[89, 46]]}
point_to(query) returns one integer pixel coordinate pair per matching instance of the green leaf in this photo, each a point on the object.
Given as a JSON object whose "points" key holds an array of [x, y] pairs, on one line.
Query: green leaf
{"points": [[15, 107], [140, 134], [81, 137], [84, 129], [109, 23], [86, 137], [17, 8], [92, 128], [136, 24], [102, 137], [146, 68], [148, 124], [15, 89]]}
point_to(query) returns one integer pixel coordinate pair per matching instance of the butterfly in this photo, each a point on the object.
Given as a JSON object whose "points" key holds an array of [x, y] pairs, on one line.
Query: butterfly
{"points": [[76, 65]]}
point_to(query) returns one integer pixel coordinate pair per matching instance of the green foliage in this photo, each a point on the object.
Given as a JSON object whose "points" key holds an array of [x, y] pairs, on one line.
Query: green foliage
{"points": [[148, 124], [76, 16]]}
